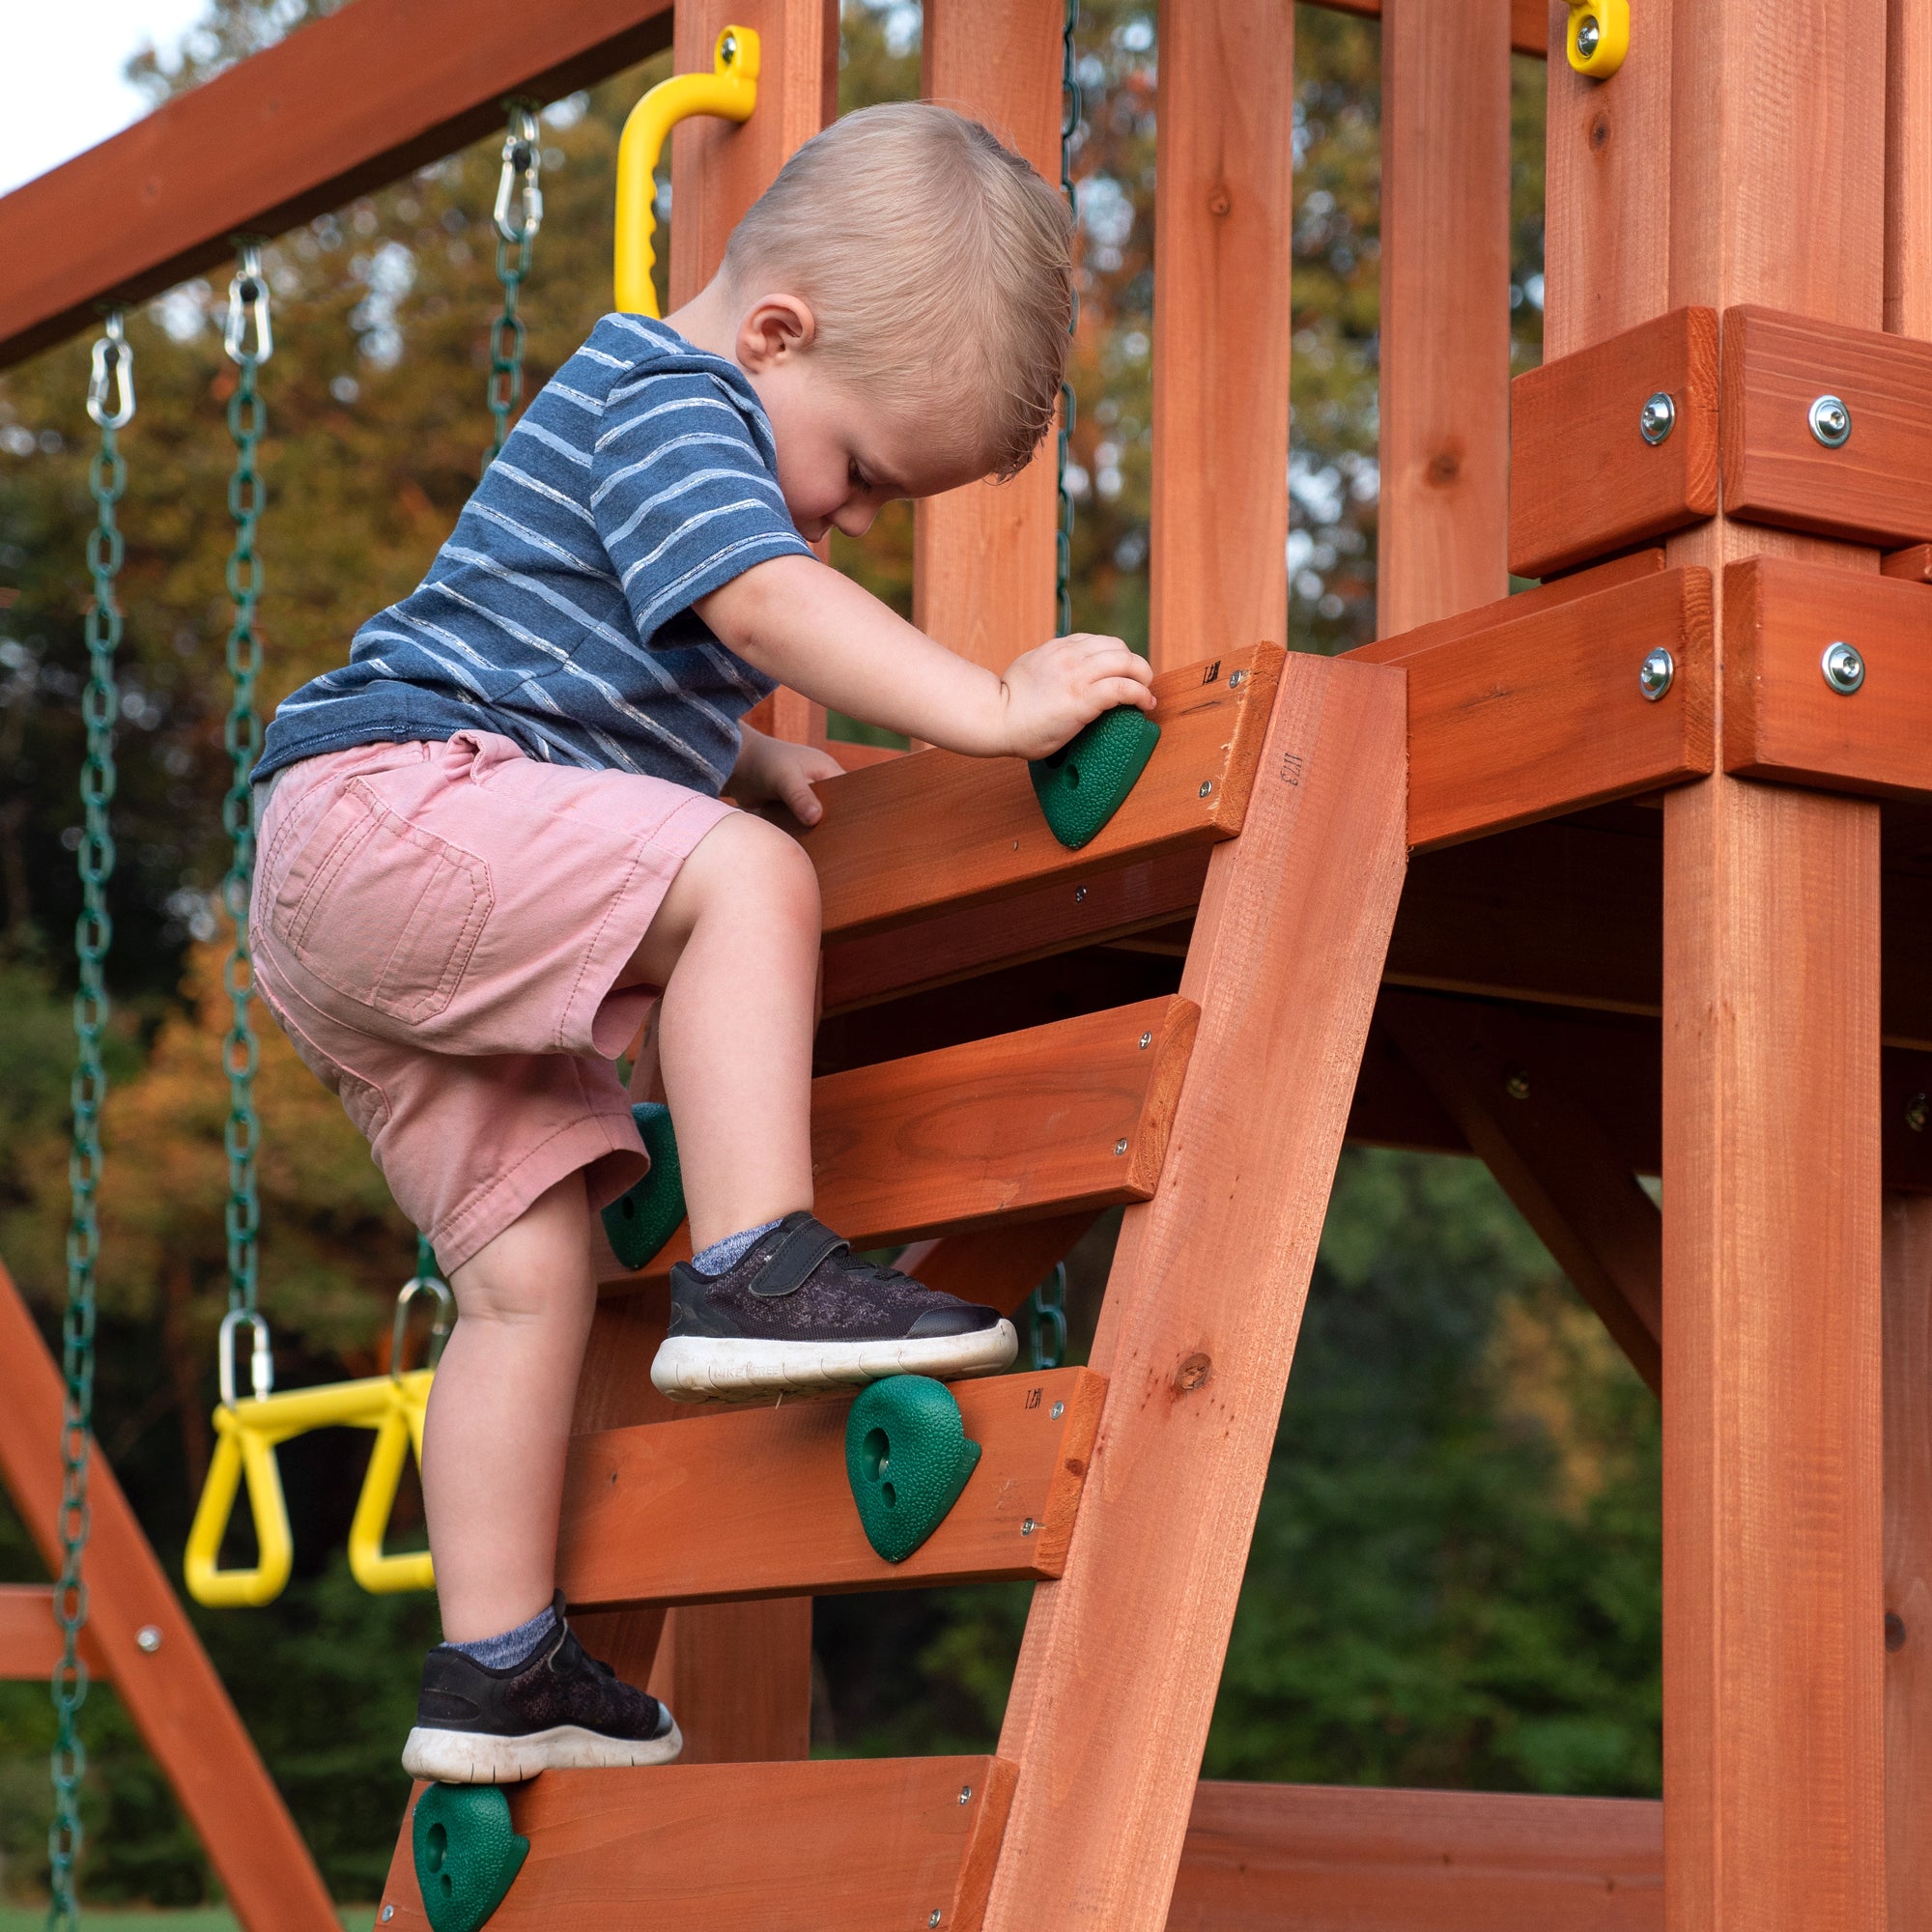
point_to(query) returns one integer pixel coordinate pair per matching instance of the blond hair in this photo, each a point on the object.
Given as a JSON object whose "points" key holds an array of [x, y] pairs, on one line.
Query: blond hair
{"points": [[937, 263]]}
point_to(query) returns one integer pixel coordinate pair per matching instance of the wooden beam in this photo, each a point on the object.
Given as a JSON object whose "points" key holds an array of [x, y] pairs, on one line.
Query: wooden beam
{"points": [[1326, 1858], [1445, 278], [342, 107], [1529, 26], [1200, 1317], [30, 1640], [167, 1684], [1223, 260], [982, 557], [1584, 478], [865, 1844], [998, 1266]]}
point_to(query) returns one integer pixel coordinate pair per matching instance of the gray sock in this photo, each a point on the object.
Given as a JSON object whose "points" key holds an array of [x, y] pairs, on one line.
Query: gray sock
{"points": [[727, 1254], [512, 1647]]}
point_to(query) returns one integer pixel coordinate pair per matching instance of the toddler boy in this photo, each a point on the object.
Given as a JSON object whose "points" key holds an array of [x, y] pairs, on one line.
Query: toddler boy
{"points": [[495, 839]]}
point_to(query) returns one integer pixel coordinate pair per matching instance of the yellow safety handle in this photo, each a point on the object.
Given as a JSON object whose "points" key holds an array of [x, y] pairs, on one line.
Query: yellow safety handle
{"points": [[239, 1450], [400, 1430], [730, 91]]}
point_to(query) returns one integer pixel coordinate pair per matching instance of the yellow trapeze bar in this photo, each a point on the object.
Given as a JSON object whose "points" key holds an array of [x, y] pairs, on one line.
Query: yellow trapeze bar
{"points": [[730, 91]]}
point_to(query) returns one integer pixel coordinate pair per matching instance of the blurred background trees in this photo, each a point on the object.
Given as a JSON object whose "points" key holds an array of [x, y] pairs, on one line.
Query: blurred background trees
{"points": [[1455, 1575]]}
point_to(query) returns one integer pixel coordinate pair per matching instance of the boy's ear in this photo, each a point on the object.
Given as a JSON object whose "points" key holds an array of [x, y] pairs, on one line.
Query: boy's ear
{"points": [[775, 327]]}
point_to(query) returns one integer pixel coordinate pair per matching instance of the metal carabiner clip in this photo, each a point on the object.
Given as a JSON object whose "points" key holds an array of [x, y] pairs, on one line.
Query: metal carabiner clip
{"points": [[438, 1332], [248, 301], [261, 1362], [523, 165], [113, 371]]}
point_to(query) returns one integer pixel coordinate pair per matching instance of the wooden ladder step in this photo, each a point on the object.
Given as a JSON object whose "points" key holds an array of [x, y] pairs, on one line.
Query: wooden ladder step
{"points": [[1047, 1121], [860, 1844], [755, 1503]]}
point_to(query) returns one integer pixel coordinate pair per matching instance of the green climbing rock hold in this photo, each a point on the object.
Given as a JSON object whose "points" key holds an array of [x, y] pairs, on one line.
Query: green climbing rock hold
{"points": [[1087, 781], [907, 1459], [466, 1854], [642, 1220]]}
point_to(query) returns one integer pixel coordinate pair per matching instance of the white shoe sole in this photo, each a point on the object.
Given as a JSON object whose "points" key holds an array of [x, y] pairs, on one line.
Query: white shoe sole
{"points": [[474, 1757], [700, 1368]]}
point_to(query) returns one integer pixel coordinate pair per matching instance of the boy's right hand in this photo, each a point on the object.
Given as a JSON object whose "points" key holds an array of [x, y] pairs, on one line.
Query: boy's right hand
{"points": [[1050, 692]]}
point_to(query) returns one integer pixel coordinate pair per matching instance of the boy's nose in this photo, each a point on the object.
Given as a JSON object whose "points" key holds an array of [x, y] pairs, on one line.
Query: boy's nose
{"points": [[855, 519]]}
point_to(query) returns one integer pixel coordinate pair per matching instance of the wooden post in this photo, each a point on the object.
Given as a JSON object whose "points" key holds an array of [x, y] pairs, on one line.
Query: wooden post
{"points": [[1676, 182], [1445, 390], [1223, 245], [982, 557]]}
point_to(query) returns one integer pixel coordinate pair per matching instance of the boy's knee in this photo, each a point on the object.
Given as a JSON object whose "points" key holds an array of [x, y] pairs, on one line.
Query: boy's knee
{"points": [[759, 865]]}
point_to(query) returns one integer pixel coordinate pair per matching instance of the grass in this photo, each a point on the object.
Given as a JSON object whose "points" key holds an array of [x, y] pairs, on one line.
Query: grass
{"points": [[201, 1919]]}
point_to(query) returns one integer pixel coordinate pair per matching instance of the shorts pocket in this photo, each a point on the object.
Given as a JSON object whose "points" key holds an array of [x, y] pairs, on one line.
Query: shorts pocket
{"points": [[384, 913]]}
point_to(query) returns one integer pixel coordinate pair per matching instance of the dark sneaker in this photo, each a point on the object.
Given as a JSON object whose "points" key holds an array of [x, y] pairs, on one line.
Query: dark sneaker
{"points": [[558, 1710], [798, 1312]]}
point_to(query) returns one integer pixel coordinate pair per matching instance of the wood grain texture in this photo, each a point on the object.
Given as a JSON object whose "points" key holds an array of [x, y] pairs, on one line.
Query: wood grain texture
{"points": [[30, 1640], [1582, 479], [1912, 564], [755, 1503], [1000, 1266], [1544, 714], [738, 1678], [982, 556], [1908, 168], [1326, 1858], [1908, 1562], [172, 1693], [1223, 249], [864, 1844], [1048, 1120], [1877, 487], [1550, 1156], [938, 831], [1783, 721], [1200, 1317], [1529, 31], [334, 111], [1445, 278]]}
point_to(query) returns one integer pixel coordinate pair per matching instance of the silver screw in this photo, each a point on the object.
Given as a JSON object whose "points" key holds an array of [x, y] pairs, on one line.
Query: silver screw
{"points": [[1843, 667], [148, 1638], [1236, 679], [1516, 1084], [1918, 1111], [388, 1912], [1655, 674], [936, 1917], [1831, 422], [1657, 417], [1206, 787], [1119, 1146], [1588, 35], [1079, 894], [1059, 1409], [1147, 1041], [965, 1793], [729, 48], [1028, 1527]]}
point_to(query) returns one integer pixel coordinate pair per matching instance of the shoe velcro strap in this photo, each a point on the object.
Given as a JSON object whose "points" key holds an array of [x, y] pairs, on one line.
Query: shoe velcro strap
{"points": [[791, 1262]]}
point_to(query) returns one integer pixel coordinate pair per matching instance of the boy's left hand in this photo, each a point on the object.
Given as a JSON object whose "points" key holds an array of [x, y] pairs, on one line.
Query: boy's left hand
{"points": [[778, 771]]}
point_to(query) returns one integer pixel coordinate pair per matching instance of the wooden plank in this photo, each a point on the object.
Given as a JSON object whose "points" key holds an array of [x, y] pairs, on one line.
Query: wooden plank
{"points": [[1908, 1562], [1543, 715], [865, 1844], [1783, 721], [1327, 1858], [738, 1676], [937, 831], [1224, 225], [982, 556], [1914, 563], [998, 1266], [1201, 1318], [1530, 27], [755, 1503], [337, 109], [1048, 1120], [170, 1690], [1583, 478], [30, 1640], [1873, 489], [1445, 333]]}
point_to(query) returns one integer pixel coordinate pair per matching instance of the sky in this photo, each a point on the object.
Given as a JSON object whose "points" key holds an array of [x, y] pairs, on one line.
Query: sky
{"points": [[61, 88]]}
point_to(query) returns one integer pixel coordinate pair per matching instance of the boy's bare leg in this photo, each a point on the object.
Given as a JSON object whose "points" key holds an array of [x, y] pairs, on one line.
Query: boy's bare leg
{"points": [[498, 1419]]}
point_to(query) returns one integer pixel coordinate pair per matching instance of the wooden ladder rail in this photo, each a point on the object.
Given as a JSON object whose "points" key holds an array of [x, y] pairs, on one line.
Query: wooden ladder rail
{"points": [[166, 1682]]}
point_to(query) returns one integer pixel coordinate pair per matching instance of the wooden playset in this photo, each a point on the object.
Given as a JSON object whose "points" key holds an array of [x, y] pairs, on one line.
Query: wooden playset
{"points": [[1627, 874]]}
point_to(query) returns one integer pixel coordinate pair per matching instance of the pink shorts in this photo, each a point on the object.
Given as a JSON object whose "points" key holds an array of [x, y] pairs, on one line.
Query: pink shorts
{"points": [[438, 927]]}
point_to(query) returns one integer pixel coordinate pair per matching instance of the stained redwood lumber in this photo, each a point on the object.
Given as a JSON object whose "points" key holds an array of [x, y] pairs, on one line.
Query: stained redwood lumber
{"points": [[30, 1640], [1529, 25]]}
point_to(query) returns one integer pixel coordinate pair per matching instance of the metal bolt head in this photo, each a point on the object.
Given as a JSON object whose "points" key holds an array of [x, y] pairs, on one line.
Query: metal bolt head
{"points": [[727, 47], [1843, 667], [1516, 1084], [936, 1915], [1206, 787], [1831, 422], [148, 1638], [1918, 1111], [388, 1912], [1588, 35], [1119, 1146], [1655, 674], [1657, 417], [1079, 895], [1236, 679], [1059, 1409], [965, 1793], [1028, 1527], [1147, 1041]]}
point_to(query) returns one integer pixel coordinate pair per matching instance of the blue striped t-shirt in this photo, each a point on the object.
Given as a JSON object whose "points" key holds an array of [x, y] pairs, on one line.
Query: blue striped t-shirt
{"points": [[642, 478]]}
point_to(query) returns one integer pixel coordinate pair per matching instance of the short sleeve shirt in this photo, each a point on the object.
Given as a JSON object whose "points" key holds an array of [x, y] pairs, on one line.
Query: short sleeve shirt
{"points": [[643, 477]]}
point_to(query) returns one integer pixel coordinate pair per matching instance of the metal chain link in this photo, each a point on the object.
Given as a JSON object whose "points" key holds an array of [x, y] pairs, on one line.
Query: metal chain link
{"points": [[519, 214], [1069, 127], [250, 341], [1046, 1320], [110, 403]]}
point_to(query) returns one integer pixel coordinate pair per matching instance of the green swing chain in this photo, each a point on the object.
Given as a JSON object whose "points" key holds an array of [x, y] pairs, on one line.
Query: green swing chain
{"points": [[519, 214], [1046, 1312], [249, 342], [110, 403]]}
